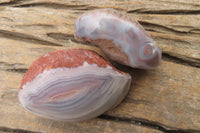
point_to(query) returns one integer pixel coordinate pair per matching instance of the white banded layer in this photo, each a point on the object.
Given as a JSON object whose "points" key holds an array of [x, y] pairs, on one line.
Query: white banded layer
{"points": [[74, 94]]}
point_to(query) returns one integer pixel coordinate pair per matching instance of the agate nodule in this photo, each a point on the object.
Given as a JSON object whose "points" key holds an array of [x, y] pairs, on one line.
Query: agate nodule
{"points": [[72, 85], [120, 36]]}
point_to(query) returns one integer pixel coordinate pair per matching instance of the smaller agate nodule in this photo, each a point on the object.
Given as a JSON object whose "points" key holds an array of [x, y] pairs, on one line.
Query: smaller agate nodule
{"points": [[72, 85], [120, 36]]}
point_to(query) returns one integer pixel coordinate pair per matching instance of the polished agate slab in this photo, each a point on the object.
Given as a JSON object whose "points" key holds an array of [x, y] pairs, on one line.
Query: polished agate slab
{"points": [[72, 85], [120, 36]]}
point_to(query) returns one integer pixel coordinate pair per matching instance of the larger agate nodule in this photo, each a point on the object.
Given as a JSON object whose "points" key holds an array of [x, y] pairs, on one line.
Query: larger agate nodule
{"points": [[72, 85]]}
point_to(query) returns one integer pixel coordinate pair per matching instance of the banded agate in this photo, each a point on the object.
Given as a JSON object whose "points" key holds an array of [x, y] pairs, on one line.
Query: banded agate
{"points": [[72, 85], [120, 36]]}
